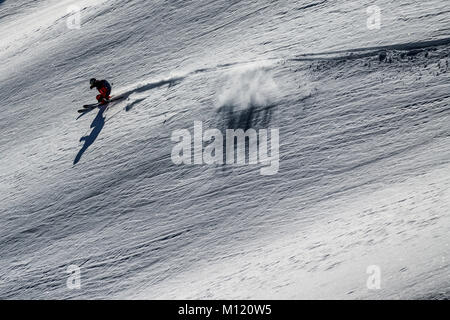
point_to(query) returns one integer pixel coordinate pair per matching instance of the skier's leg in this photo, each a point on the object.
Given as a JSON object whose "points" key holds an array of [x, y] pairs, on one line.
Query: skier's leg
{"points": [[105, 93]]}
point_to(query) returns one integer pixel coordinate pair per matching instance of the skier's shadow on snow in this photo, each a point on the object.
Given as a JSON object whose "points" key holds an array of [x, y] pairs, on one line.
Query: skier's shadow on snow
{"points": [[97, 125]]}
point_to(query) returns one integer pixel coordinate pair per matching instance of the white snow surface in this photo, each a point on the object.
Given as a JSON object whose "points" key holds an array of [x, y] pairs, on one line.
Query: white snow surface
{"points": [[364, 172]]}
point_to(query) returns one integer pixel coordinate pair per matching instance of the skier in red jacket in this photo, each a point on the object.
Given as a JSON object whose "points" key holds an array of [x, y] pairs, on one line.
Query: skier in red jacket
{"points": [[104, 88]]}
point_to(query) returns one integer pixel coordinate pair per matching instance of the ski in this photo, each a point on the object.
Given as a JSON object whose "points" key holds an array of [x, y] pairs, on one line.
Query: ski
{"points": [[87, 106], [85, 110]]}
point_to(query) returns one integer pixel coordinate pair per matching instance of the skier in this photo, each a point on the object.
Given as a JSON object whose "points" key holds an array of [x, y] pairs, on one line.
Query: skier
{"points": [[104, 88]]}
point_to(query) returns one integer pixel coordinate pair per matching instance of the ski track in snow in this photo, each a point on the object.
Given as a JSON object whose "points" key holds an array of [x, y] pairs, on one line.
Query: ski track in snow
{"points": [[364, 150]]}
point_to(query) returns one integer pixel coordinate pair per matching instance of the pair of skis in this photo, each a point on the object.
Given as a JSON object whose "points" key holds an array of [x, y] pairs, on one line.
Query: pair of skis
{"points": [[89, 107]]}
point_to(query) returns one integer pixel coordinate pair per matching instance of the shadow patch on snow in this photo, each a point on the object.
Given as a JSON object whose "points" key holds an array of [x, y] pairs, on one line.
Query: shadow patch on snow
{"points": [[252, 117], [97, 125], [149, 86], [132, 104], [152, 85], [409, 49]]}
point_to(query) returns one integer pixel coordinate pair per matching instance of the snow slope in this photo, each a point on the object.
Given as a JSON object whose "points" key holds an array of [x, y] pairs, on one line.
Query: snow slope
{"points": [[364, 150]]}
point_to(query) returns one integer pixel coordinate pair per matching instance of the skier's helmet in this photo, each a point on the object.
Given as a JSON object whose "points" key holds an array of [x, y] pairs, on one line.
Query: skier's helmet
{"points": [[93, 81]]}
